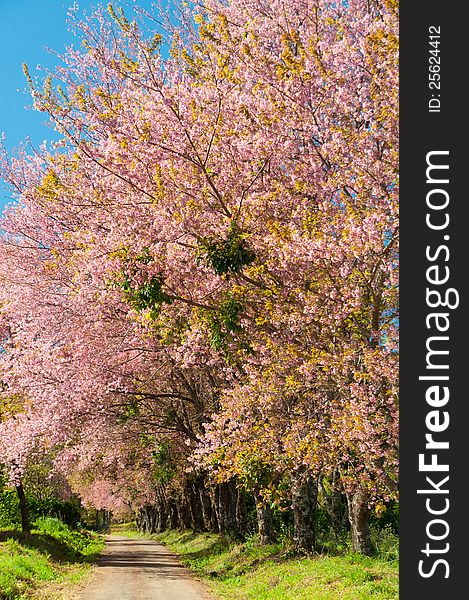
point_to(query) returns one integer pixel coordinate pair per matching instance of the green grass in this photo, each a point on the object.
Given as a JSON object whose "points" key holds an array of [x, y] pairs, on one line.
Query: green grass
{"points": [[20, 566], [247, 571], [53, 557]]}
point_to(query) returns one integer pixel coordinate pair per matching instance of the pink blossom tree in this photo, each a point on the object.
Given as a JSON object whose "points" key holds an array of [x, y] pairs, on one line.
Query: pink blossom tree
{"points": [[211, 253]]}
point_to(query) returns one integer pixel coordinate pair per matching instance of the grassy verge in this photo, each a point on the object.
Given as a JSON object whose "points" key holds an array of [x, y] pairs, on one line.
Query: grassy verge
{"points": [[48, 564], [246, 571]]}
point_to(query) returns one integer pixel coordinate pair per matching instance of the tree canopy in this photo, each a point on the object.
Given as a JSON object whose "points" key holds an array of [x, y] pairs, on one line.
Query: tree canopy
{"points": [[199, 282]]}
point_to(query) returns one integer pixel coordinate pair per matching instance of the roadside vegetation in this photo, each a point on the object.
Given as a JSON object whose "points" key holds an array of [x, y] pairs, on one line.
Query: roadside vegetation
{"points": [[46, 564], [250, 571]]}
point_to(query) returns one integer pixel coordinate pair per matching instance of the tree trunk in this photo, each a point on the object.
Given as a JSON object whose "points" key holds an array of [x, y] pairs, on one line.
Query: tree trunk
{"points": [[141, 520], [265, 523], [336, 507], [148, 519], [359, 515], [226, 507], [107, 521], [25, 523], [207, 512], [229, 496], [214, 508], [304, 498], [152, 512], [241, 513], [173, 514], [162, 505], [184, 513], [196, 506]]}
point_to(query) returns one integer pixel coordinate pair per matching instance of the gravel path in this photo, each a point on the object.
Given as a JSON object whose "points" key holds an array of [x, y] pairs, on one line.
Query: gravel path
{"points": [[136, 569]]}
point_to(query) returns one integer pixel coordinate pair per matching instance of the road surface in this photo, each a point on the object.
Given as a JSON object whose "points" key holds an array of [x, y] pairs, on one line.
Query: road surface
{"points": [[137, 569]]}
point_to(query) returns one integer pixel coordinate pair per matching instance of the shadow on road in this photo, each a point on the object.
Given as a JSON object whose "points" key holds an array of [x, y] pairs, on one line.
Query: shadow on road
{"points": [[129, 561], [137, 555]]}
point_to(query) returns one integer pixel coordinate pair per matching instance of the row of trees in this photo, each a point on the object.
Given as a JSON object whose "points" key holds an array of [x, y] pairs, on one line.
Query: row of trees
{"points": [[198, 283]]}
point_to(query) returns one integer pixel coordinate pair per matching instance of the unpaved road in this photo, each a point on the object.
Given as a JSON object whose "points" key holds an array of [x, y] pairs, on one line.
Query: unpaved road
{"points": [[136, 569]]}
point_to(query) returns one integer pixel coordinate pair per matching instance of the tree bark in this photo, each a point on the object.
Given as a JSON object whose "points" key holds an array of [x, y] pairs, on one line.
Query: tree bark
{"points": [[214, 508], [304, 491], [229, 496], [185, 520], [265, 524], [173, 514], [25, 523], [162, 506], [196, 506], [207, 513], [148, 519], [225, 503], [241, 513], [336, 507], [359, 514]]}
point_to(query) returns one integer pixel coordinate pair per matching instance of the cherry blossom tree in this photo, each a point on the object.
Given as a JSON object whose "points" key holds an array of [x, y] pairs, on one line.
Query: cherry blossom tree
{"points": [[209, 257]]}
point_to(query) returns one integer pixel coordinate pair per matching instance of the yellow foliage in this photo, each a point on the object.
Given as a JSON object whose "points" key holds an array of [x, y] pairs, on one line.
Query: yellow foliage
{"points": [[50, 186], [80, 97]]}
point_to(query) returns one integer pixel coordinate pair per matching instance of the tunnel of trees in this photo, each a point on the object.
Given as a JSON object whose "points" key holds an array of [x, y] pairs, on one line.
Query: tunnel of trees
{"points": [[199, 280]]}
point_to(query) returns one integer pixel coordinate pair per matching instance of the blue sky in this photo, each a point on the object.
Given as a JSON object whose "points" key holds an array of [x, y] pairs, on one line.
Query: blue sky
{"points": [[26, 28]]}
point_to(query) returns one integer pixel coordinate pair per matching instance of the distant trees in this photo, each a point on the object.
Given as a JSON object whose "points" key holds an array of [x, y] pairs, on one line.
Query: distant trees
{"points": [[199, 283]]}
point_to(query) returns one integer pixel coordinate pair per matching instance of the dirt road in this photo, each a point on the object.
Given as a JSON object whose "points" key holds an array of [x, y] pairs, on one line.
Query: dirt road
{"points": [[136, 569]]}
